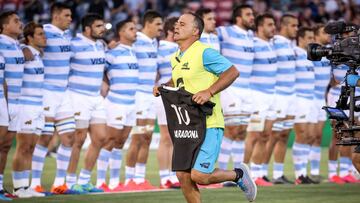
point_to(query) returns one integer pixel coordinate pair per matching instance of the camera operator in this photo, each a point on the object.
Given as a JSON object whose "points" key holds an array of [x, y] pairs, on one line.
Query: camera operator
{"points": [[338, 75], [353, 80]]}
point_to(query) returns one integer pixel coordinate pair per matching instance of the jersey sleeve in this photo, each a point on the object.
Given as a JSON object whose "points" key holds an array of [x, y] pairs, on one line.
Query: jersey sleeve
{"points": [[109, 60], [214, 62]]}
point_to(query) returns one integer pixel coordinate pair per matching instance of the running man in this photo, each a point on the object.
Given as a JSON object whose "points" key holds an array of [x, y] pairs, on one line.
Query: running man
{"points": [[206, 73]]}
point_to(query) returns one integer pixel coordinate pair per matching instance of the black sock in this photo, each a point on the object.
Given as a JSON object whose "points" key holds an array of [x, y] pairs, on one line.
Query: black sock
{"points": [[239, 174]]}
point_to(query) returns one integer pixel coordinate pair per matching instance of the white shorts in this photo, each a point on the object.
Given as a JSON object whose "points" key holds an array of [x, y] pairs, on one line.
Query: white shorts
{"points": [[306, 111], [160, 111], [31, 119], [118, 116], [285, 105], [331, 100], [236, 101], [4, 114], [145, 106], [13, 110], [57, 105], [264, 104], [321, 115], [87, 107]]}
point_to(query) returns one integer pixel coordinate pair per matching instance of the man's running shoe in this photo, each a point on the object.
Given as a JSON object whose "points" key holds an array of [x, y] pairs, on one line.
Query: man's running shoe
{"points": [[105, 188], [78, 189], [40, 189], [246, 183], [282, 180], [229, 184], [262, 182], [63, 190], [175, 185], [3, 198], [336, 179], [316, 179], [350, 179], [34, 193], [266, 179], [146, 185], [89, 187], [302, 180], [119, 188], [167, 185], [22, 193]]}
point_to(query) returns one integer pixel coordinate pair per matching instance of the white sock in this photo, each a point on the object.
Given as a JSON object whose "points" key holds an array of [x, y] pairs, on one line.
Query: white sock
{"points": [[255, 170], [164, 176], [237, 152], [129, 174], [115, 166], [278, 170], [37, 164], [71, 180], [315, 157], [333, 167], [62, 163], [140, 169], [102, 164], [225, 151]]}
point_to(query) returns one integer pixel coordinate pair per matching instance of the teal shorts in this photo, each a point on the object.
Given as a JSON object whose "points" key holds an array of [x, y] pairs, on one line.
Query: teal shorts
{"points": [[209, 150]]}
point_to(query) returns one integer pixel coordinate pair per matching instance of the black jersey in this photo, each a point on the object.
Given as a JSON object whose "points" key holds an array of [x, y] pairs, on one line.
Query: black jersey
{"points": [[186, 122]]}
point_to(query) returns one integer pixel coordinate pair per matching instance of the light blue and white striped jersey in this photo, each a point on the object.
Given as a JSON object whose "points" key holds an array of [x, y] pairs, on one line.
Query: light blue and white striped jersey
{"points": [[87, 65], [322, 77], [56, 58], [166, 50], [33, 80], [237, 45], [285, 77], [305, 76], [14, 67], [211, 40], [122, 70], [338, 73], [263, 75], [146, 53], [2, 68]]}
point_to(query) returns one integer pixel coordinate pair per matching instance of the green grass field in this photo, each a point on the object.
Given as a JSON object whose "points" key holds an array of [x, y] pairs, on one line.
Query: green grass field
{"points": [[324, 192]]}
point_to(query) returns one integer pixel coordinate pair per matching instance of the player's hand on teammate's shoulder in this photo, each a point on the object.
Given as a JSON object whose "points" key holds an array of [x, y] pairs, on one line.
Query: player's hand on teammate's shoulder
{"points": [[112, 44], [28, 55]]}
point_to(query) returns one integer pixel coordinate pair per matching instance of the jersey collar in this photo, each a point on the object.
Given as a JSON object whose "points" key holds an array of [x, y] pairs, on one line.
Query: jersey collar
{"points": [[10, 39]]}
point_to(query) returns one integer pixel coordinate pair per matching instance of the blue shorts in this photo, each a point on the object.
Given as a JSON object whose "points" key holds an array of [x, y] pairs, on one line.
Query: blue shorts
{"points": [[209, 150]]}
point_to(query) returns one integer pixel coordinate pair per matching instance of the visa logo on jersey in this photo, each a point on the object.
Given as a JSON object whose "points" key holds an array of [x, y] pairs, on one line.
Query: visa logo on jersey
{"points": [[133, 66], [66, 48], [97, 61], [19, 60]]}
